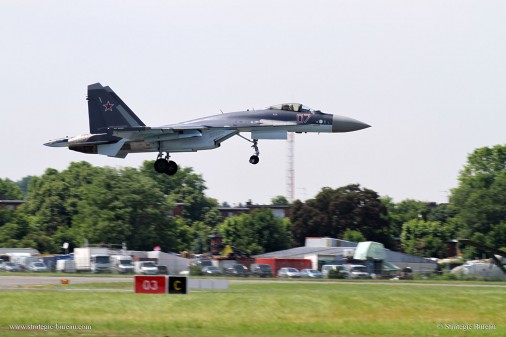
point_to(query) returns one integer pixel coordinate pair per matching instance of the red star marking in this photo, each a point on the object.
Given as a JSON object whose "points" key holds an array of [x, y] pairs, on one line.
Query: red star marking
{"points": [[108, 106]]}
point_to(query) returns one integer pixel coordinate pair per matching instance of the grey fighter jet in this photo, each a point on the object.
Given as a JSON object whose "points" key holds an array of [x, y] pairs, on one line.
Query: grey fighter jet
{"points": [[116, 131]]}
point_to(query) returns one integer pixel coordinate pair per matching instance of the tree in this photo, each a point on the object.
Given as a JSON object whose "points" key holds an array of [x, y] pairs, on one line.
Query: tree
{"points": [[279, 201], [188, 188], [106, 205], [9, 190], [332, 212], [257, 232], [426, 238], [404, 211], [53, 199], [125, 206], [22, 231], [353, 236], [24, 184], [480, 199]]}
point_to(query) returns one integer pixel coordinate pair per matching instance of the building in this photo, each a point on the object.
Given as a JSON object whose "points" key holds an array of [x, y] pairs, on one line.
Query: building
{"points": [[278, 211], [19, 251], [373, 255], [171, 261], [11, 204], [14, 254]]}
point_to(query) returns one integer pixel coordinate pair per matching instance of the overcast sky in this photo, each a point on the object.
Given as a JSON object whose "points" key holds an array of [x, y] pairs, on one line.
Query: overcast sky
{"points": [[429, 76]]}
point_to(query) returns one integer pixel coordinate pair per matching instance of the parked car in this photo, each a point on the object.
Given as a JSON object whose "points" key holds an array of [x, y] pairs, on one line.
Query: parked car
{"points": [[261, 270], [11, 266], [357, 271], [338, 267], [288, 272], [211, 271], [37, 267], [237, 270], [311, 273]]}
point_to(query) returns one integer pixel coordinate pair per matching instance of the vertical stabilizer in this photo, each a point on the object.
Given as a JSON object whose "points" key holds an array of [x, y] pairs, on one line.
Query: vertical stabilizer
{"points": [[107, 110]]}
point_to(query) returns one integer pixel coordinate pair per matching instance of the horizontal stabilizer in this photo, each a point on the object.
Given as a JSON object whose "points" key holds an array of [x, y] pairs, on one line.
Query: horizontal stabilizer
{"points": [[111, 150]]}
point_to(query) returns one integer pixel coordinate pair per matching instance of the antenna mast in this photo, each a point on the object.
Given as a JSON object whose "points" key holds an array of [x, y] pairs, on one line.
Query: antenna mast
{"points": [[290, 171]]}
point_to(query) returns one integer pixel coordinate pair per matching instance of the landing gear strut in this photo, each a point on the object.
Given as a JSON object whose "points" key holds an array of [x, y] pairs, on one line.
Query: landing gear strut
{"points": [[254, 158], [164, 165]]}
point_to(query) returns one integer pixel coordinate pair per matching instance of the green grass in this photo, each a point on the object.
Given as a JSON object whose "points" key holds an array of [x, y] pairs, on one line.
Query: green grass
{"points": [[260, 309]]}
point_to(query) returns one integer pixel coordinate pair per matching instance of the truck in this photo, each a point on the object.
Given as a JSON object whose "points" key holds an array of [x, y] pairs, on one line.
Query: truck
{"points": [[91, 259], [145, 268], [66, 266], [122, 264]]}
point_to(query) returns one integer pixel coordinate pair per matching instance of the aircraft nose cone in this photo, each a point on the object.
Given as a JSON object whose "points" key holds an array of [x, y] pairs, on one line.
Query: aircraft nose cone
{"points": [[346, 124]]}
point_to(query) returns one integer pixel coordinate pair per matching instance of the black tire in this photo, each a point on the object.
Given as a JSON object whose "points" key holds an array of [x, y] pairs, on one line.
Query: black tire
{"points": [[161, 165], [254, 160], [171, 168]]}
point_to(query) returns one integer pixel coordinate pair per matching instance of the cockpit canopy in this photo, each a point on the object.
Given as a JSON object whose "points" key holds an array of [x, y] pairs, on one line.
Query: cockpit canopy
{"points": [[296, 107]]}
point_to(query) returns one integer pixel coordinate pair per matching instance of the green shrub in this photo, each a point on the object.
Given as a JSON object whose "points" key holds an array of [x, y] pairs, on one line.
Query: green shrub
{"points": [[196, 271], [335, 274]]}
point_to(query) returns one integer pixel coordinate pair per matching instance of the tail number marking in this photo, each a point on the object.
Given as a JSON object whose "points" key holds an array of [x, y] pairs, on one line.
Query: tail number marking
{"points": [[303, 118]]}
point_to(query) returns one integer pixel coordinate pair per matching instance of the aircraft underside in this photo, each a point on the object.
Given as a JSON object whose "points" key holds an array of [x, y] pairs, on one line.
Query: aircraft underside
{"points": [[209, 140]]}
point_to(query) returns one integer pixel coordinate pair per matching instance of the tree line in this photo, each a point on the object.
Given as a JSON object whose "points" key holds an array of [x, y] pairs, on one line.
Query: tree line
{"points": [[135, 206]]}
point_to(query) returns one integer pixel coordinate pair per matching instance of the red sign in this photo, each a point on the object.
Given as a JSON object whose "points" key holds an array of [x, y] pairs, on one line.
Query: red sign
{"points": [[151, 284]]}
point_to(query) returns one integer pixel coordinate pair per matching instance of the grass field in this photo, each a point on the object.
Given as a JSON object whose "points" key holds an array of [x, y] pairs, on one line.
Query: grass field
{"points": [[259, 309]]}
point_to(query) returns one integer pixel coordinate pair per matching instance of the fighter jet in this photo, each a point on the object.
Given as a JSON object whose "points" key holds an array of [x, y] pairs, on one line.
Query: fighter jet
{"points": [[116, 131]]}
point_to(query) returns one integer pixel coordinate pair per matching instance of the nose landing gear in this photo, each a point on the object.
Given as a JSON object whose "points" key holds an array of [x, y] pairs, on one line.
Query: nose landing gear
{"points": [[254, 159], [164, 165]]}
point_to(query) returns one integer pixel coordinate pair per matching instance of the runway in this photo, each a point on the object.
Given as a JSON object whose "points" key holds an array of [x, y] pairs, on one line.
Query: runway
{"points": [[17, 282], [25, 282]]}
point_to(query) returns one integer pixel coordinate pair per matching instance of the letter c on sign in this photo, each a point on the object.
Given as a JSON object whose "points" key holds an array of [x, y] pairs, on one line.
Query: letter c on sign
{"points": [[177, 285]]}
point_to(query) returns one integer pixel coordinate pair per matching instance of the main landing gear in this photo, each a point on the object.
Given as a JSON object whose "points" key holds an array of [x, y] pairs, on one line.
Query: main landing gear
{"points": [[164, 165], [169, 167]]}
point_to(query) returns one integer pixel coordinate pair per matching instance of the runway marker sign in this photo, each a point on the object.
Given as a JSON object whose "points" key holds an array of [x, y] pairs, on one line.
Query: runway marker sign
{"points": [[145, 284], [178, 285]]}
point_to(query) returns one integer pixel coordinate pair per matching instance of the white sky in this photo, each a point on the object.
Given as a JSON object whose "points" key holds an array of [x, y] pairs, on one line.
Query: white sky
{"points": [[429, 76]]}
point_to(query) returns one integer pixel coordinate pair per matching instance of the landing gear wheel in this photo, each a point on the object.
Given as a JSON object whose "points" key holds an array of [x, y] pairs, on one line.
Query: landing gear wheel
{"points": [[164, 165], [254, 159], [161, 165], [171, 168]]}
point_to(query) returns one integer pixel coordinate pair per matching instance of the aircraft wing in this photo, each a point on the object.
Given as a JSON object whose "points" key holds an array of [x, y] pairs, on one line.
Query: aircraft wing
{"points": [[154, 133], [141, 132], [164, 133]]}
